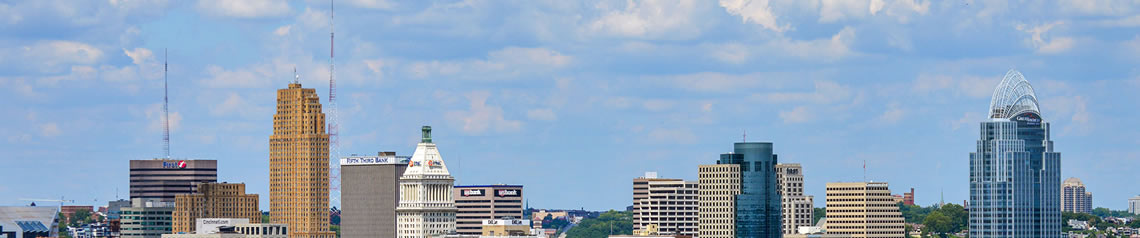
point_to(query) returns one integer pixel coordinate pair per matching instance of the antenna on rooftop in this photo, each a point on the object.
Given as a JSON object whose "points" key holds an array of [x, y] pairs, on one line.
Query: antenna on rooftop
{"points": [[296, 77], [165, 107], [334, 115]]}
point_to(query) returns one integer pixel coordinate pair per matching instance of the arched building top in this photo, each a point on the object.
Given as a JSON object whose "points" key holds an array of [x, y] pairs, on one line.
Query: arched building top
{"points": [[1013, 96]]}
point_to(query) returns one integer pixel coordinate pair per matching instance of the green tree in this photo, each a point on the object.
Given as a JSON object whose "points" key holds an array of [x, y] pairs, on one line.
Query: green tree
{"points": [[80, 217], [959, 218], [619, 223], [335, 228], [937, 223], [818, 213], [914, 213]]}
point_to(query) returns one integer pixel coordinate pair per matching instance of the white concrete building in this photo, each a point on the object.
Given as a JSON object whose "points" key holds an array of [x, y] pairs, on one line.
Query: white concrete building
{"points": [[427, 207], [242, 230], [1134, 205], [668, 204], [797, 208]]}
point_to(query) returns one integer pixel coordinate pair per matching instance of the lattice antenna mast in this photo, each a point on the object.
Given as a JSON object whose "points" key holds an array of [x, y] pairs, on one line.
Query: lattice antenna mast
{"points": [[334, 123], [165, 107]]}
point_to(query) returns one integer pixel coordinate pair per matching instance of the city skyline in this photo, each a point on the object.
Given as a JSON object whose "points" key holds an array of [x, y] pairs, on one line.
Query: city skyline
{"points": [[550, 86]]}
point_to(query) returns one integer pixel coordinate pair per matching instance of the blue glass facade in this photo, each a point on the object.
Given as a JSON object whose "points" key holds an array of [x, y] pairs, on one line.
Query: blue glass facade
{"points": [[758, 204], [1015, 180]]}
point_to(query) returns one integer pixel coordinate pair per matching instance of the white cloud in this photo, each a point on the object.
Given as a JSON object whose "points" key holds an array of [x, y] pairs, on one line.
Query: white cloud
{"points": [[139, 55], [373, 4], [1074, 109], [754, 11], [648, 19], [283, 30], [51, 55], [731, 53], [49, 130], [834, 11], [244, 8], [233, 103], [156, 117], [507, 62], [799, 114], [671, 136], [969, 85], [1098, 7], [967, 119], [541, 114], [1039, 42], [826, 92], [481, 117], [893, 114]]}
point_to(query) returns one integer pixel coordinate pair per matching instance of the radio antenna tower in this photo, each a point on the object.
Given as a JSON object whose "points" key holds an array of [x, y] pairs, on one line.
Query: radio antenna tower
{"points": [[334, 124], [165, 107]]}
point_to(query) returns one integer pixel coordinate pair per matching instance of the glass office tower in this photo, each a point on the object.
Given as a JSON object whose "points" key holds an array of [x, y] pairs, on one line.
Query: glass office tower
{"points": [[758, 204], [1015, 177]]}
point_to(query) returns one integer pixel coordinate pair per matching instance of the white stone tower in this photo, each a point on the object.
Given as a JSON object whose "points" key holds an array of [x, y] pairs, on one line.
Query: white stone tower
{"points": [[427, 207]]}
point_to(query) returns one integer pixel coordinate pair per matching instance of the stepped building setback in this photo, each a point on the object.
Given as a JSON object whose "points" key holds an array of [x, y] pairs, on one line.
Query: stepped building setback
{"points": [[1015, 176], [298, 164], [427, 207]]}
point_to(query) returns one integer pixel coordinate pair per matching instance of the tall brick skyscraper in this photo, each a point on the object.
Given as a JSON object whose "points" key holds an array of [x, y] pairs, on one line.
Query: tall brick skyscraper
{"points": [[298, 164]]}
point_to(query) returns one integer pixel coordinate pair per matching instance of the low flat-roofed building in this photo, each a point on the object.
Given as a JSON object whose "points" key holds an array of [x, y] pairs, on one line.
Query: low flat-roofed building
{"points": [[248, 230], [29, 222]]}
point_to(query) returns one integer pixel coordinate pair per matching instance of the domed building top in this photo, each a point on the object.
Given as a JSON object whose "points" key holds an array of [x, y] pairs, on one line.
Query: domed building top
{"points": [[1073, 181], [1012, 97]]}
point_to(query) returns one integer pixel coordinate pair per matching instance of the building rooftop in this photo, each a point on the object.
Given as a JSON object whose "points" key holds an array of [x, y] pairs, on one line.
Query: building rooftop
{"points": [[1012, 97], [28, 218]]}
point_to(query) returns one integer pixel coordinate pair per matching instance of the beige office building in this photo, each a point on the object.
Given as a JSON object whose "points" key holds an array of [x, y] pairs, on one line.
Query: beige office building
{"points": [[718, 185], [670, 204], [863, 210], [1074, 197], [797, 208], [477, 204], [214, 200], [299, 164]]}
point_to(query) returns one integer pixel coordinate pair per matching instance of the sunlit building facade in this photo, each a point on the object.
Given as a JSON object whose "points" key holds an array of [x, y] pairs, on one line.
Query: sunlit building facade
{"points": [[1015, 176]]}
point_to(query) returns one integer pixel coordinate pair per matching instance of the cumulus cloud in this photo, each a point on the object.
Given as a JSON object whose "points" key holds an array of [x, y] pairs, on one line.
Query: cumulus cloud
{"points": [[1042, 43], [139, 55], [372, 4], [967, 119], [671, 136], [283, 30], [507, 62], [968, 85], [54, 55], [754, 11], [825, 92], [648, 19], [244, 9], [481, 117], [798, 114], [901, 10]]}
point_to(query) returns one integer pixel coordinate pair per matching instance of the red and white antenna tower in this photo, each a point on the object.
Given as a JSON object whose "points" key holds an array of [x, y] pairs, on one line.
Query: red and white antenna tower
{"points": [[165, 108], [334, 123]]}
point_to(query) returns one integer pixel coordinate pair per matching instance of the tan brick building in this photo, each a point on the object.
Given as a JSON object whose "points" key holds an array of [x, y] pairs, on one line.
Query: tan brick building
{"points": [[299, 164], [863, 210], [718, 185], [214, 200]]}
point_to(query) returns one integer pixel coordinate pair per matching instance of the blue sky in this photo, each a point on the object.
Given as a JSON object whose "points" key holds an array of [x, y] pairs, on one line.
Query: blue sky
{"points": [[571, 99]]}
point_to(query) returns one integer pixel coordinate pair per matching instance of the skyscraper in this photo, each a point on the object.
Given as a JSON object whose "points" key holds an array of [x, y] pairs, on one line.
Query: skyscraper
{"points": [[477, 204], [758, 204], [1074, 197], [717, 187], [1015, 177], [797, 208], [427, 207], [298, 164], [370, 192]]}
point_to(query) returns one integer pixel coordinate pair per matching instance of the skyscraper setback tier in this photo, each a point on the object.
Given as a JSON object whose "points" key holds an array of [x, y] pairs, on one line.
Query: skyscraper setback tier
{"points": [[758, 204], [1015, 177], [798, 209], [298, 164]]}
